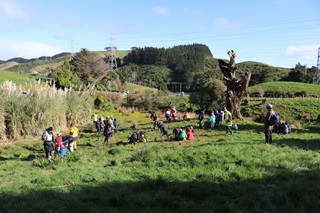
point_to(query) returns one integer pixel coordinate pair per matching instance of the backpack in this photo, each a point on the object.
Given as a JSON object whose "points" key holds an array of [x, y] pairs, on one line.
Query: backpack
{"points": [[44, 136], [230, 118], [275, 119]]}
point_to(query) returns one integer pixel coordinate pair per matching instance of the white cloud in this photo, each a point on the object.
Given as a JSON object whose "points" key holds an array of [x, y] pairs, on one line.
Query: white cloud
{"points": [[225, 23], [12, 10], [303, 52], [26, 49], [161, 10]]}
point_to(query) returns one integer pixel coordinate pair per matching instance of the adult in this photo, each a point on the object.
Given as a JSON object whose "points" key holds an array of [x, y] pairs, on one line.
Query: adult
{"points": [[48, 143], [108, 123], [116, 125], [164, 131], [201, 116], [218, 118], [212, 120], [107, 133], [228, 121], [173, 113], [155, 118], [176, 132], [268, 124], [74, 132]]}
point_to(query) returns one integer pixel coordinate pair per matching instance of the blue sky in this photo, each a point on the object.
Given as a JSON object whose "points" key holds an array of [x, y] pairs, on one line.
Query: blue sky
{"points": [[275, 32]]}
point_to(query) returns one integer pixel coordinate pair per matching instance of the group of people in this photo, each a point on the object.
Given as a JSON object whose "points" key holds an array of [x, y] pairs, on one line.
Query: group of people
{"points": [[180, 134], [101, 124], [57, 144], [217, 118], [171, 114], [108, 126], [272, 123]]}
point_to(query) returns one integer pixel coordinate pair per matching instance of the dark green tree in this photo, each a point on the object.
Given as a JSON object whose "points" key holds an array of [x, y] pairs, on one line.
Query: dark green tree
{"points": [[65, 77], [210, 94], [90, 67]]}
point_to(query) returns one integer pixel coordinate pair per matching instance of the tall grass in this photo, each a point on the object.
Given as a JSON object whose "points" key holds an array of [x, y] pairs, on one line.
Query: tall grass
{"points": [[30, 108]]}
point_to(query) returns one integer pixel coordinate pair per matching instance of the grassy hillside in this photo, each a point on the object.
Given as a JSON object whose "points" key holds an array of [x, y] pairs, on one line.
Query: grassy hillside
{"points": [[213, 173], [12, 76], [134, 87], [285, 89], [7, 65]]}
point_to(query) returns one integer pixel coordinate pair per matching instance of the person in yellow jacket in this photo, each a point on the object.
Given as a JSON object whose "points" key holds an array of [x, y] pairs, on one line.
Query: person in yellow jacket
{"points": [[74, 132], [228, 121]]}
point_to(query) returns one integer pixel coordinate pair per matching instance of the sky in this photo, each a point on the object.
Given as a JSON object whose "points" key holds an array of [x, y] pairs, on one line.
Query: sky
{"points": [[279, 33]]}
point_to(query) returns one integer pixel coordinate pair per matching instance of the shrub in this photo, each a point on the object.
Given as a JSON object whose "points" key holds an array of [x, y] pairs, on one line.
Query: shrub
{"points": [[31, 108]]}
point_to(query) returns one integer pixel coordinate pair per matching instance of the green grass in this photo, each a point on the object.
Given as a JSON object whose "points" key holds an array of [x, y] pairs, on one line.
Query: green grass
{"points": [[135, 87], [213, 173], [279, 87], [12, 76]]}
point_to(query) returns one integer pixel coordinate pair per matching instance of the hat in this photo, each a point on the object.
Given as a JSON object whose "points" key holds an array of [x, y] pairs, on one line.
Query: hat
{"points": [[269, 106], [58, 134]]}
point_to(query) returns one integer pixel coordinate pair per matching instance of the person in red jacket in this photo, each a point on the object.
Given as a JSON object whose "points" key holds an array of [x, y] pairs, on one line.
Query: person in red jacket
{"points": [[190, 135], [59, 141]]}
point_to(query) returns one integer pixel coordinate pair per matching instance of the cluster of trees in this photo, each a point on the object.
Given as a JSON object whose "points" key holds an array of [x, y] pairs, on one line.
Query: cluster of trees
{"points": [[262, 73], [177, 65], [87, 70]]}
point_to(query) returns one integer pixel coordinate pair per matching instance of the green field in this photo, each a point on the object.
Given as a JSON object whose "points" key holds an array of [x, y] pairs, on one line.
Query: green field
{"points": [[276, 89], [12, 76], [213, 173]]}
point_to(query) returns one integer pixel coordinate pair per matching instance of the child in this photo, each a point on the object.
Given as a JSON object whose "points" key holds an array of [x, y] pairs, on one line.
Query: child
{"points": [[189, 133], [182, 136], [71, 143], [59, 141]]}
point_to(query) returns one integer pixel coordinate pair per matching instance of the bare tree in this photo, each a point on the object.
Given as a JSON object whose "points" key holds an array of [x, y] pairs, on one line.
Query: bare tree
{"points": [[236, 89], [90, 67]]}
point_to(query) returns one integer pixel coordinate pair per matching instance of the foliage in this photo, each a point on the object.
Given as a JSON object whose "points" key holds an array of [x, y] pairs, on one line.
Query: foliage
{"points": [[261, 73], [100, 102], [65, 77], [146, 75], [30, 108], [209, 94], [183, 60], [89, 67], [301, 74]]}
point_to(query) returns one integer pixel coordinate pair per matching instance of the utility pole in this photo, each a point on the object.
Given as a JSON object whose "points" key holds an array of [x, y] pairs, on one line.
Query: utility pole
{"points": [[316, 77], [112, 54]]}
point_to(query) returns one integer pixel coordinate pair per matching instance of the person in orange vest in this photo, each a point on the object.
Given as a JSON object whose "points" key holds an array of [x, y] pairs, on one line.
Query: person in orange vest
{"points": [[74, 132], [186, 116]]}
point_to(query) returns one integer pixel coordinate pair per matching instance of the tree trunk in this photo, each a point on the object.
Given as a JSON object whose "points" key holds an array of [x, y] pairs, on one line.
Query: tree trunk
{"points": [[236, 89]]}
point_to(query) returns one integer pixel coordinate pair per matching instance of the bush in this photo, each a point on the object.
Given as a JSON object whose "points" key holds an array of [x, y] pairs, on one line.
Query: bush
{"points": [[31, 108]]}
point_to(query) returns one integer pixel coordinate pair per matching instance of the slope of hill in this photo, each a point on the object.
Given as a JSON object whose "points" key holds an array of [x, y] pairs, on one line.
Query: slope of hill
{"points": [[13, 76], [8, 65], [284, 89]]}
